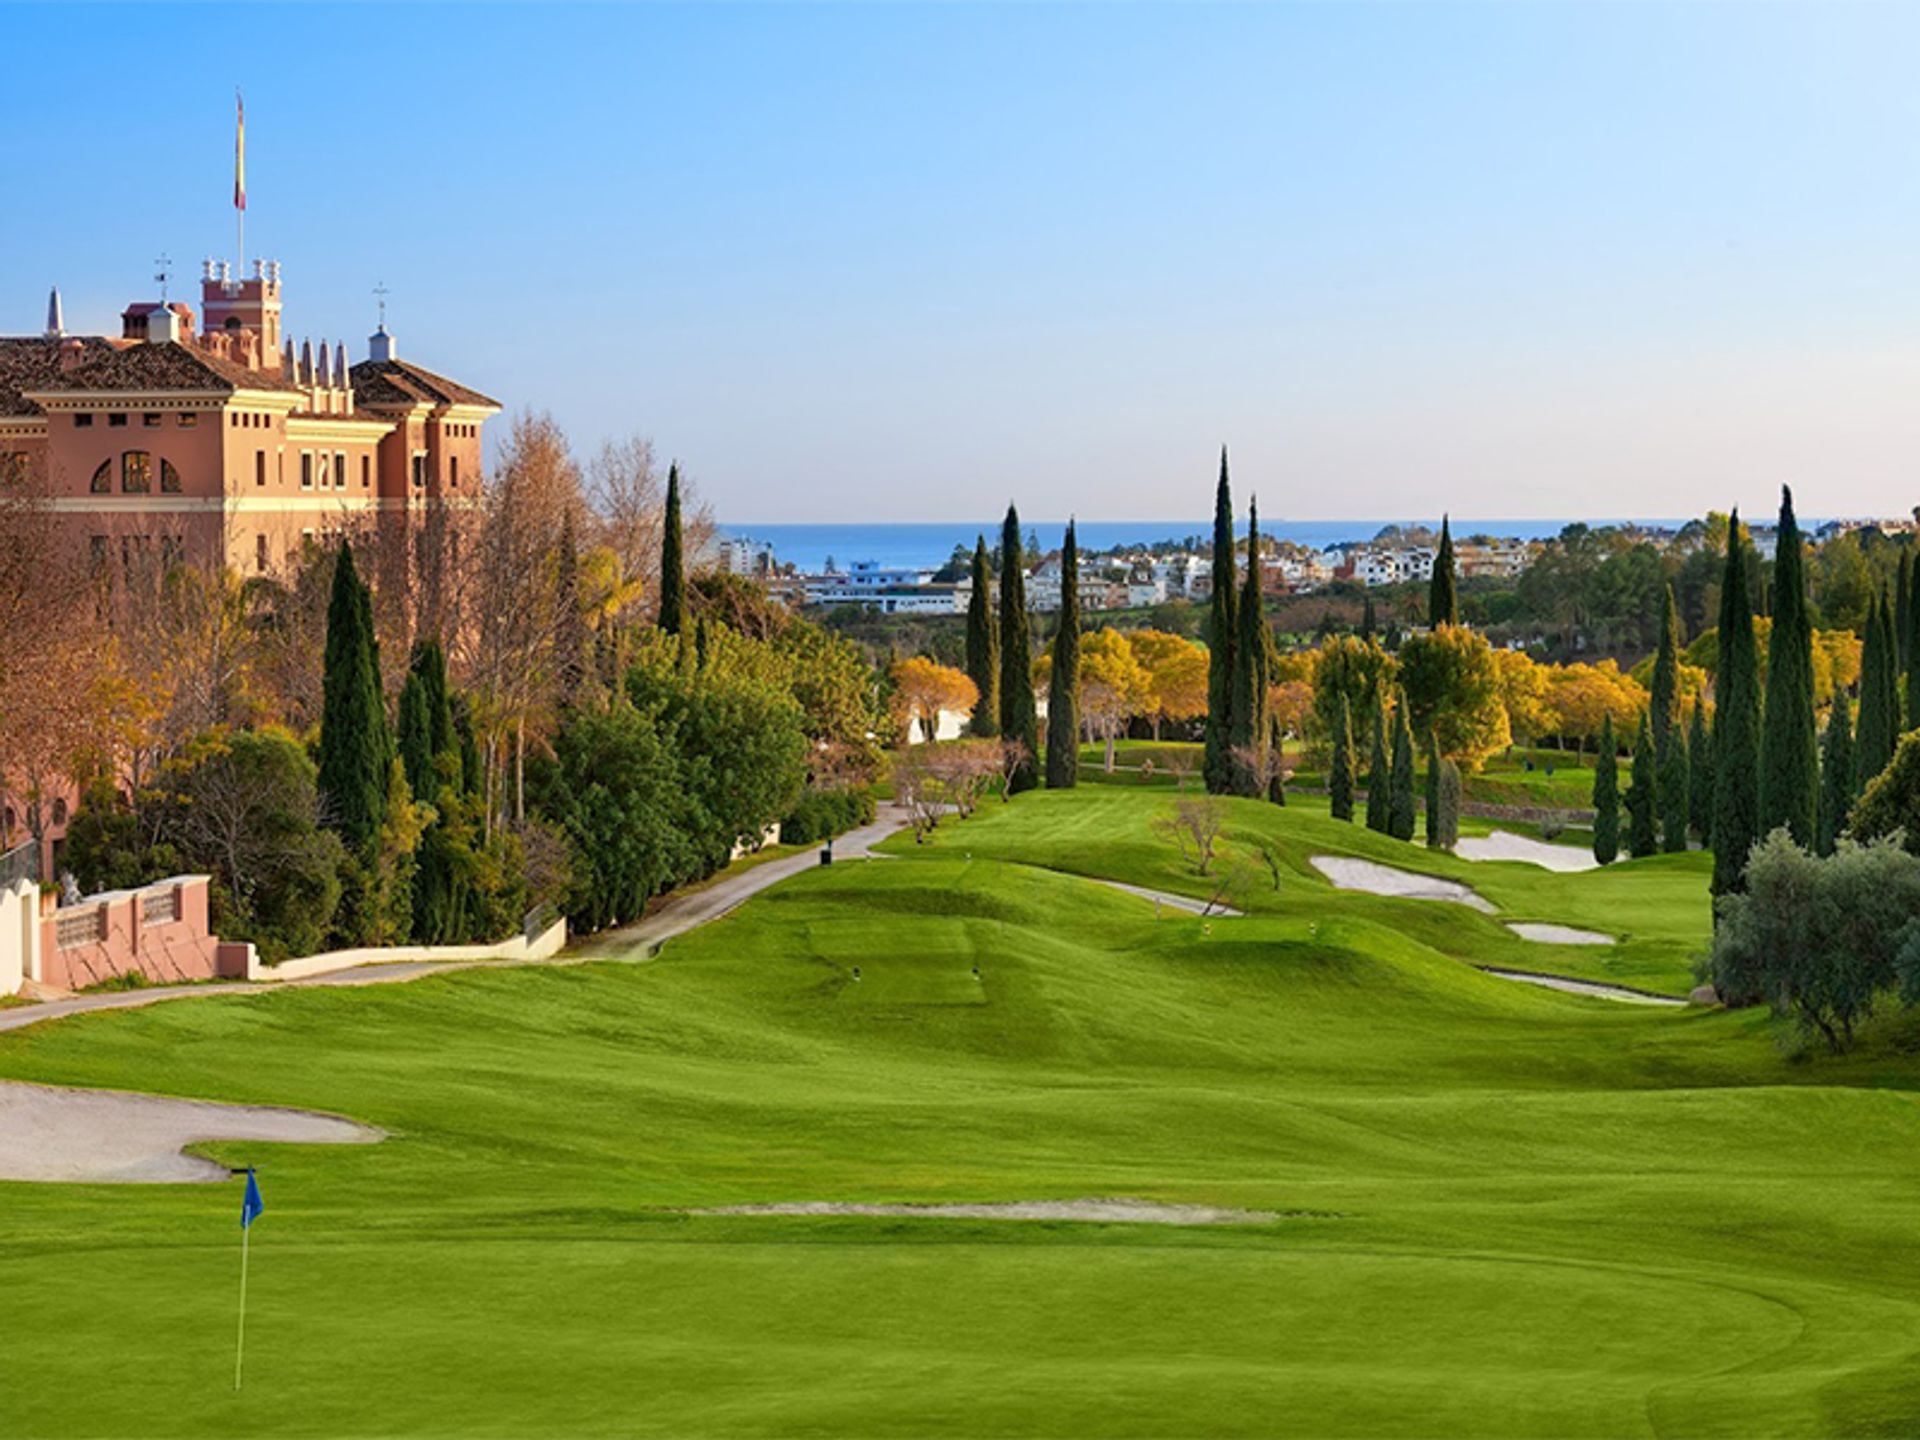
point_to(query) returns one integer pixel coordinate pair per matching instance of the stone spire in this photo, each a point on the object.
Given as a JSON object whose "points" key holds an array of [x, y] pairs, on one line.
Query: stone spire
{"points": [[56, 327], [306, 362], [324, 377], [340, 376]]}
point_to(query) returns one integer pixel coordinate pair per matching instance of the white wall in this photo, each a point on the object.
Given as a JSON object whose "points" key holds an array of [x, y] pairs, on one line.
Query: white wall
{"points": [[19, 935]]}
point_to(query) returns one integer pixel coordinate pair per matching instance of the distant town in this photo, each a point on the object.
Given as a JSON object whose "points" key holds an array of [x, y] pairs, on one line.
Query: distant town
{"points": [[1140, 576]]}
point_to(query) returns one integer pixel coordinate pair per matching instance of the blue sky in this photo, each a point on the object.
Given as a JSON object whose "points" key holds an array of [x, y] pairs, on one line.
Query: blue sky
{"points": [[889, 262]]}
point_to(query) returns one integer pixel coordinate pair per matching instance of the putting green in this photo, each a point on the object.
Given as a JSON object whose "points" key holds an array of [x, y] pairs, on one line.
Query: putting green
{"points": [[1504, 1210]]}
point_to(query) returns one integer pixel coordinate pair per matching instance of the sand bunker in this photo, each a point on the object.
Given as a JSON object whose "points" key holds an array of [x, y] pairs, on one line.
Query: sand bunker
{"points": [[1350, 874], [1582, 987], [1120, 1212], [1557, 934], [1505, 845], [104, 1136]]}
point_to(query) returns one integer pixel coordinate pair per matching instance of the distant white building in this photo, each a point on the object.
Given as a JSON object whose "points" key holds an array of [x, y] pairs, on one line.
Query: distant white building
{"points": [[890, 590], [739, 555]]}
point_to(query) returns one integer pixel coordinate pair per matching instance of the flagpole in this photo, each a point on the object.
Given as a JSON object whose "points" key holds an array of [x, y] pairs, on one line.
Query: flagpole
{"points": [[240, 1345]]}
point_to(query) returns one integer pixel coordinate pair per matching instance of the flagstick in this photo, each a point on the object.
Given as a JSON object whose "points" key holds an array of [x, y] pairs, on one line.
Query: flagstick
{"points": [[240, 1345]]}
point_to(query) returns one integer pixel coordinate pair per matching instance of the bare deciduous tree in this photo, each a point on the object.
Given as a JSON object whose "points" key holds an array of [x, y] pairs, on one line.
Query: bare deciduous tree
{"points": [[1195, 826]]}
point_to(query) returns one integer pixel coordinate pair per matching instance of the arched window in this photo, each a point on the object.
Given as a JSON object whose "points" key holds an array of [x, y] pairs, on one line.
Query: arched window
{"points": [[103, 479], [136, 472], [169, 478], [59, 809]]}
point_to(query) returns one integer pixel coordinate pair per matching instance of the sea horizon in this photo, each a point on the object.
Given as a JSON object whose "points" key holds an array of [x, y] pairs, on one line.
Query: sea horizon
{"points": [[927, 544]]}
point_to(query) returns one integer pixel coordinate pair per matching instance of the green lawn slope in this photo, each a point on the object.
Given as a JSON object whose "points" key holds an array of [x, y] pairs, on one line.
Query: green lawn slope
{"points": [[1504, 1211]]}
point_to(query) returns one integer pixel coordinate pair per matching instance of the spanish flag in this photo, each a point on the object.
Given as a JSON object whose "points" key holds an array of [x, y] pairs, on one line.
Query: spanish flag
{"points": [[239, 153]]}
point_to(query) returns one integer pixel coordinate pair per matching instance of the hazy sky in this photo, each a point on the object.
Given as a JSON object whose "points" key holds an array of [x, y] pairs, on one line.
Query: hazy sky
{"points": [[874, 262]]}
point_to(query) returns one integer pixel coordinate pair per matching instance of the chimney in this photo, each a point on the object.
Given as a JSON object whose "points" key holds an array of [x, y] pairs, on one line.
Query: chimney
{"points": [[380, 346], [163, 325], [56, 327]]}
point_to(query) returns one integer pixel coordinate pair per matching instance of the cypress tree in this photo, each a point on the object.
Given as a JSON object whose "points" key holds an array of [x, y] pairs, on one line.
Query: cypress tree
{"points": [[1874, 738], [356, 747], [1379, 780], [673, 577], [1673, 776], [1368, 622], [1248, 725], [430, 664], [1641, 837], [1216, 764], [1700, 780], [1606, 796], [1912, 643], [1736, 726], [1434, 819], [1665, 707], [416, 737], [1277, 745], [1063, 687], [1018, 722], [1789, 759], [983, 646], [1400, 812], [1340, 769], [1443, 600], [1836, 775], [1903, 612], [1449, 792]]}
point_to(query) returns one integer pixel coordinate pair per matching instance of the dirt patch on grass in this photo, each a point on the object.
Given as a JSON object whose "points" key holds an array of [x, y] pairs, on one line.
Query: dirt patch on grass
{"points": [[1545, 934], [1108, 1212], [1346, 873], [1505, 845], [97, 1136]]}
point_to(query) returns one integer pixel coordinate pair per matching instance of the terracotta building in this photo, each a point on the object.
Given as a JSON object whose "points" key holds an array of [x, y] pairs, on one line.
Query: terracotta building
{"points": [[216, 437]]}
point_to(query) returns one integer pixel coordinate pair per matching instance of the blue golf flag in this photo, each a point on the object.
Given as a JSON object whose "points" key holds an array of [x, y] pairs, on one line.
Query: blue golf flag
{"points": [[251, 1206]]}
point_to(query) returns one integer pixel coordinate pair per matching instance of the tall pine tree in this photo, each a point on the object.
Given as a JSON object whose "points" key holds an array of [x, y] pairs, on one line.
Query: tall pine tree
{"points": [[1247, 731], [1878, 727], [1700, 776], [1903, 612], [983, 646], [1443, 599], [1665, 706], [1642, 836], [1736, 726], [673, 565], [1400, 804], [1435, 820], [1063, 686], [1789, 757], [1836, 774], [1674, 777], [1340, 768], [1217, 763], [1911, 642], [1019, 723], [356, 747], [1606, 796], [1379, 777]]}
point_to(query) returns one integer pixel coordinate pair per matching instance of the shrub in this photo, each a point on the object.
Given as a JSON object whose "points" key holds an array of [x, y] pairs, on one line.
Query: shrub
{"points": [[821, 813]]}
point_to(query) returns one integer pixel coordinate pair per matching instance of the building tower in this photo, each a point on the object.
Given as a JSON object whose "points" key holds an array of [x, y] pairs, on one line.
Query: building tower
{"points": [[56, 327]]}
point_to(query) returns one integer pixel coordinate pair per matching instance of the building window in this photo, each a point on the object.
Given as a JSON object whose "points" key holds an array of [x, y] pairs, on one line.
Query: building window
{"points": [[83, 421], [366, 471], [97, 548], [259, 467], [102, 483], [116, 422], [172, 551], [339, 469], [306, 469], [169, 478], [151, 420], [136, 472], [453, 471], [420, 469], [323, 470], [188, 420], [260, 553], [59, 809], [13, 467], [233, 421]]}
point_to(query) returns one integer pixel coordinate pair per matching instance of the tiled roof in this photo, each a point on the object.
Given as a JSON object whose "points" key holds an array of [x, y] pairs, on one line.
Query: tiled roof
{"points": [[30, 362], [401, 382], [166, 366]]}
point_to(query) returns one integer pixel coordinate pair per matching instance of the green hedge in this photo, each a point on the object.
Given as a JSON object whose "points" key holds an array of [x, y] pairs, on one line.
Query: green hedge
{"points": [[821, 813]]}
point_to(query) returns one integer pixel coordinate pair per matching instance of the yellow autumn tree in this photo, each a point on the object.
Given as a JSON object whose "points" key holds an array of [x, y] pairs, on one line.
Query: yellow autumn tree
{"points": [[923, 688]]}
